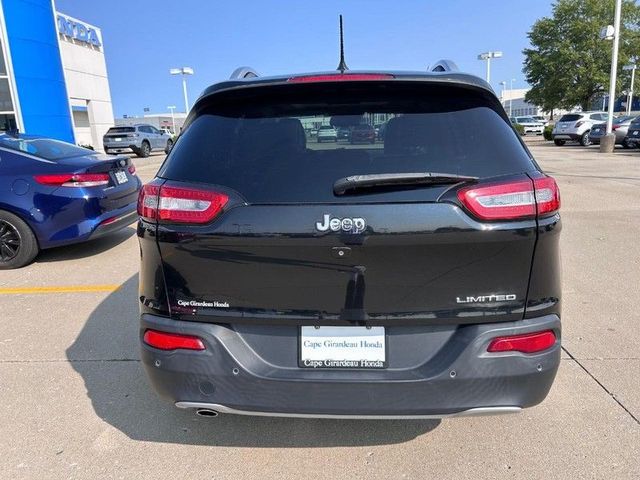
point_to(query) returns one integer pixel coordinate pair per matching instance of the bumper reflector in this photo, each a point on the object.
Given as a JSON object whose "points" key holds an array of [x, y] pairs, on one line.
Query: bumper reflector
{"points": [[527, 343], [172, 341]]}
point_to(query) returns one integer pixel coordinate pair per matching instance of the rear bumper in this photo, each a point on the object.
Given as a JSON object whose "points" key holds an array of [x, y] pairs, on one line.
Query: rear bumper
{"points": [[234, 375], [119, 147], [566, 136], [115, 223]]}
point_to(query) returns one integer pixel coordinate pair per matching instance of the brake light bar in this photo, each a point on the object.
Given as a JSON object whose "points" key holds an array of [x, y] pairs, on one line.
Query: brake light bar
{"points": [[341, 77], [73, 179], [172, 341], [180, 204], [512, 200], [527, 343]]}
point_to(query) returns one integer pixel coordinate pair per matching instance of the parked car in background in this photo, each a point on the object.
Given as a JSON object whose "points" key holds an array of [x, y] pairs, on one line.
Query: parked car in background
{"points": [[363, 134], [576, 127], [633, 134], [542, 119], [140, 139], [343, 133], [416, 280], [529, 125], [326, 133], [620, 128], [54, 193]]}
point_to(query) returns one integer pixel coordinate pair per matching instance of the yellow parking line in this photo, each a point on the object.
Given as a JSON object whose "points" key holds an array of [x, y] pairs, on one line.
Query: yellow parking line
{"points": [[61, 289]]}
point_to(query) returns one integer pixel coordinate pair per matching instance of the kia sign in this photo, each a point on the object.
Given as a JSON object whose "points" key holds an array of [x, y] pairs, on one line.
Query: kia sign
{"points": [[78, 31]]}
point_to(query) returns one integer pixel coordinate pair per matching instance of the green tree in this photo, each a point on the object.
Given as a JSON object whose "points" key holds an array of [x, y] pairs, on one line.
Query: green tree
{"points": [[568, 63]]}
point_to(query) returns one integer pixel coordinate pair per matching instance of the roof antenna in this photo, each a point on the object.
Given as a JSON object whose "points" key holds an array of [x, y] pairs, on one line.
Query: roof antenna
{"points": [[342, 66]]}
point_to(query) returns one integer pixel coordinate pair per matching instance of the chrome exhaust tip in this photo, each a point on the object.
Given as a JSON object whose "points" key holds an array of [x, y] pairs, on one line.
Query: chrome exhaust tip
{"points": [[206, 412]]}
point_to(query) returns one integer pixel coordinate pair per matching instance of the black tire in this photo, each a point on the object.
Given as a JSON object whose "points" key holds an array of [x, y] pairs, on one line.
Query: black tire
{"points": [[169, 146], [18, 245], [559, 143], [144, 150], [585, 141], [626, 144]]}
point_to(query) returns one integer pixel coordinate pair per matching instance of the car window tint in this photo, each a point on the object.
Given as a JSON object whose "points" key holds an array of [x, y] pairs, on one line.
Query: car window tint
{"points": [[121, 130], [570, 117], [261, 147], [46, 148]]}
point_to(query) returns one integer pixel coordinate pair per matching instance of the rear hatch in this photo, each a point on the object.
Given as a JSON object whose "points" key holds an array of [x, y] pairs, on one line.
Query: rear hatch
{"points": [[255, 229], [568, 122], [118, 134]]}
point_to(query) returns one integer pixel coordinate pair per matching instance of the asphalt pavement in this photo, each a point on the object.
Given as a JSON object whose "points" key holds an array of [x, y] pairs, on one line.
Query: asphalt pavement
{"points": [[76, 404]]}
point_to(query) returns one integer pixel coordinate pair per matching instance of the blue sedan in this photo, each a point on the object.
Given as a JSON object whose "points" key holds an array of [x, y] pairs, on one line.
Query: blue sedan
{"points": [[54, 193]]}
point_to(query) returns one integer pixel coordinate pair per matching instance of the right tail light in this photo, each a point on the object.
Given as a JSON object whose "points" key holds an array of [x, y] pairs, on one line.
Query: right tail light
{"points": [[512, 200]]}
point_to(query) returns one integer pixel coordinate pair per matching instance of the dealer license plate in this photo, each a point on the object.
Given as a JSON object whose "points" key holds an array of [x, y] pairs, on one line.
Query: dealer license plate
{"points": [[342, 347], [121, 177]]}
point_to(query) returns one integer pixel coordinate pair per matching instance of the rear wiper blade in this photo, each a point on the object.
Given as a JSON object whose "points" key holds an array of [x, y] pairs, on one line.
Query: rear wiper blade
{"points": [[359, 182]]}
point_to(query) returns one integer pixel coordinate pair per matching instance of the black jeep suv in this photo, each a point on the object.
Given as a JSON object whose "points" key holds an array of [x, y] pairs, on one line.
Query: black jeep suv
{"points": [[410, 278]]}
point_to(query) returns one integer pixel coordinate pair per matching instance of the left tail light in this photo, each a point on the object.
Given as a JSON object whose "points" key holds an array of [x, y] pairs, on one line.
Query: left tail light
{"points": [[512, 200], [73, 179], [179, 204]]}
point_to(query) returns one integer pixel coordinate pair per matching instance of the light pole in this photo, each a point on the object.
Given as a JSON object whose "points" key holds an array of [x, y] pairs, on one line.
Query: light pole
{"points": [[488, 56], [631, 67], [607, 143], [184, 71], [173, 118], [511, 94]]}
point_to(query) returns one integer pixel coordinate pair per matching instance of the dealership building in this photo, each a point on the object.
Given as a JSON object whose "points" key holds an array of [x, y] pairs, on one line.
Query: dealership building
{"points": [[53, 74]]}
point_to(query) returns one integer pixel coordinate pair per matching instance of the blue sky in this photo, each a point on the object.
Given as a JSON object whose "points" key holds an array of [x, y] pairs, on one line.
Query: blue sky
{"points": [[144, 38]]}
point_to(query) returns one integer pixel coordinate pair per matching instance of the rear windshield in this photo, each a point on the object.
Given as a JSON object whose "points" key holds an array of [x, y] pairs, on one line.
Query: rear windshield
{"points": [[257, 145], [570, 117], [44, 147], [121, 130]]}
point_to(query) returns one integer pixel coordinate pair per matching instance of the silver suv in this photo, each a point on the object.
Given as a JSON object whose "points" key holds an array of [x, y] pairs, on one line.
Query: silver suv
{"points": [[576, 127], [140, 139]]}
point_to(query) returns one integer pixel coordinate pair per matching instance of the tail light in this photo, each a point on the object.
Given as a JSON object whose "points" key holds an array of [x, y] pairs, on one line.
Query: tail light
{"points": [[578, 124], [341, 77], [132, 169], [527, 343], [172, 341], [615, 127], [73, 179], [512, 200], [180, 205]]}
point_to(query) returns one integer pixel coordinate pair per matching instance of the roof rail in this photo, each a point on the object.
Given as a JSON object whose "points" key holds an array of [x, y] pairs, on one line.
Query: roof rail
{"points": [[444, 66], [243, 72]]}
